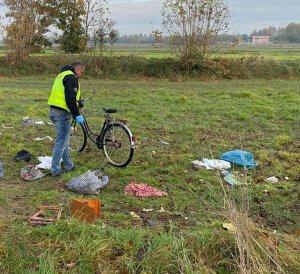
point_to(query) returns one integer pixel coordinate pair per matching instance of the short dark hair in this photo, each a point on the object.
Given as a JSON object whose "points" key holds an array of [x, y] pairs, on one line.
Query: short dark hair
{"points": [[77, 63]]}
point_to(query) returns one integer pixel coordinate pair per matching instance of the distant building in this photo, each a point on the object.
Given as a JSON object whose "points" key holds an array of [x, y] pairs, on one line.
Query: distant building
{"points": [[260, 40]]}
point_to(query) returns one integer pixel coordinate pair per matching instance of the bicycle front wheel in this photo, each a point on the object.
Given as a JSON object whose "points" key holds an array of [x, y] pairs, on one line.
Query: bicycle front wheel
{"points": [[78, 137], [117, 145]]}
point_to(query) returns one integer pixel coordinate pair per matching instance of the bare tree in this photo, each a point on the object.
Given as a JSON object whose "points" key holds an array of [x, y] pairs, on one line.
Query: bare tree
{"points": [[112, 36], [96, 14], [100, 39], [192, 27]]}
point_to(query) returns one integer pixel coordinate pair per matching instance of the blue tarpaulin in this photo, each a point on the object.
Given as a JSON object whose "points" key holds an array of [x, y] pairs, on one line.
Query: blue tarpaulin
{"points": [[239, 157]]}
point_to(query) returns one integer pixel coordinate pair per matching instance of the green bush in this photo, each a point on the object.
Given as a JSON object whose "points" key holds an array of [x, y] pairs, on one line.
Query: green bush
{"points": [[128, 67]]}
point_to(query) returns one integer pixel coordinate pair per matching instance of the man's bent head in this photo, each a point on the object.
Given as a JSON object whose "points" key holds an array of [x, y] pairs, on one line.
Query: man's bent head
{"points": [[79, 68]]}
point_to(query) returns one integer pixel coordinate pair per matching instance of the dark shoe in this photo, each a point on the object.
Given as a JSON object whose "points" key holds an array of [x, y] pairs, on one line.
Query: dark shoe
{"points": [[72, 169], [59, 174]]}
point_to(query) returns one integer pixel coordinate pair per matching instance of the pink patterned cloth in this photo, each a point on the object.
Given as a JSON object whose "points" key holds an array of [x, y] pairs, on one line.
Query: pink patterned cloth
{"points": [[143, 190]]}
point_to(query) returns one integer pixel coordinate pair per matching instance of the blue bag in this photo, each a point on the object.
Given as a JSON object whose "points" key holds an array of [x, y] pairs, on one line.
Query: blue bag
{"points": [[239, 157]]}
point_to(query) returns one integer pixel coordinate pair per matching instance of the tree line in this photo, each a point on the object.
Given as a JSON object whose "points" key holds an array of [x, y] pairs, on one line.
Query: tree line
{"points": [[290, 33], [193, 29], [189, 27], [78, 25], [136, 39]]}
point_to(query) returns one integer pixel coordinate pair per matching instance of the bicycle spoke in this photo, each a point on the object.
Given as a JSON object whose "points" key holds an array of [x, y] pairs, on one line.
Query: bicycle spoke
{"points": [[117, 145], [77, 138]]}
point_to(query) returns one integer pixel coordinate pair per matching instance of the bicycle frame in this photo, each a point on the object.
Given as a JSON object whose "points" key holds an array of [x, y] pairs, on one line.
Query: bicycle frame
{"points": [[110, 139], [92, 136]]}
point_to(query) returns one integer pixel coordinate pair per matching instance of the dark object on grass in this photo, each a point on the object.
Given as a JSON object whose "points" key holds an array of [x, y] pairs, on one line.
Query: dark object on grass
{"points": [[152, 223], [23, 155], [46, 215]]}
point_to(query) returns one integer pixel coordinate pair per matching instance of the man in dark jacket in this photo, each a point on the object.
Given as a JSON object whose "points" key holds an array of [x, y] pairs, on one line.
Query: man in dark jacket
{"points": [[63, 103]]}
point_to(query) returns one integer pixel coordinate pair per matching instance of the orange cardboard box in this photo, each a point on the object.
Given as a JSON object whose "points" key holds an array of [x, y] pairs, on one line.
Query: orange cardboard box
{"points": [[86, 210]]}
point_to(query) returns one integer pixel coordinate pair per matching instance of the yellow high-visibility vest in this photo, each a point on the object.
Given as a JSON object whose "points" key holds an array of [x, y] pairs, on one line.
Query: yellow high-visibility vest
{"points": [[57, 96]]}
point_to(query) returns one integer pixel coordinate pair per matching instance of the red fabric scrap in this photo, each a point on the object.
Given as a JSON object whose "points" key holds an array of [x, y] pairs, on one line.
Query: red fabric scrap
{"points": [[143, 190]]}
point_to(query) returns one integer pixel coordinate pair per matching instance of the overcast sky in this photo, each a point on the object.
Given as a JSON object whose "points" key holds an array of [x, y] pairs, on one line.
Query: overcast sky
{"points": [[142, 16]]}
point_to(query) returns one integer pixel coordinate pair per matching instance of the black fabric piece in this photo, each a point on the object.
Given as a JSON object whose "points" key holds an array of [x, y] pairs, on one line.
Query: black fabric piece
{"points": [[71, 85], [23, 155], [67, 67]]}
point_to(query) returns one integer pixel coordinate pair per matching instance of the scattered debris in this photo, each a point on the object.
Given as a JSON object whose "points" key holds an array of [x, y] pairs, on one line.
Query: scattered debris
{"points": [[70, 265], [1, 170], [50, 124], [181, 215], [43, 138], [229, 227], [143, 190], [27, 121], [134, 215], [198, 164], [153, 152], [31, 173], [147, 210], [7, 127], [23, 155], [162, 210], [45, 162], [266, 192], [272, 180], [165, 143], [211, 164], [239, 157], [46, 215], [151, 223], [88, 183], [287, 178], [231, 179], [86, 210]]}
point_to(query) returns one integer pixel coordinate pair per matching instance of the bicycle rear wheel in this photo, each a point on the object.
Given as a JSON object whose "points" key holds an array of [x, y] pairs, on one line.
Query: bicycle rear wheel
{"points": [[78, 137], [118, 146]]}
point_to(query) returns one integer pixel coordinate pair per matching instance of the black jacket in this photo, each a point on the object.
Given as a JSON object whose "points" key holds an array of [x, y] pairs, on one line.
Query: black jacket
{"points": [[71, 85]]}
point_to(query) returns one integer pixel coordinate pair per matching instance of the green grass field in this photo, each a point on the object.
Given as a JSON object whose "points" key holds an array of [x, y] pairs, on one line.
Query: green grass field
{"points": [[198, 119], [269, 52], [274, 52]]}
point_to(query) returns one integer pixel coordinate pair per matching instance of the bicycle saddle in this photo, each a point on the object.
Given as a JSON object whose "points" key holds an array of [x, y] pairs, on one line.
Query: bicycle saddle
{"points": [[109, 110]]}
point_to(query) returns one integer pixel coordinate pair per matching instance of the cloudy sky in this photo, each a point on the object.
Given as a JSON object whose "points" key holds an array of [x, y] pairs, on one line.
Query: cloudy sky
{"points": [[141, 16]]}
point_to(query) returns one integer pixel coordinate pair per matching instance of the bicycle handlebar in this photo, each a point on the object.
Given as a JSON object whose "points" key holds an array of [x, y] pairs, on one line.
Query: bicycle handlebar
{"points": [[82, 101], [91, 97]]}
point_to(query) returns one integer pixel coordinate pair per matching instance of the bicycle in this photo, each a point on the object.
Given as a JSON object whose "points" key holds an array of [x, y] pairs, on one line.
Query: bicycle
{"points": [[115, 139]]}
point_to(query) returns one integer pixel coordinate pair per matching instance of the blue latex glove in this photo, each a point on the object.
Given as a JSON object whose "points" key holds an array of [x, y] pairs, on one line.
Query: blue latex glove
{"points": [[80, 119]]}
